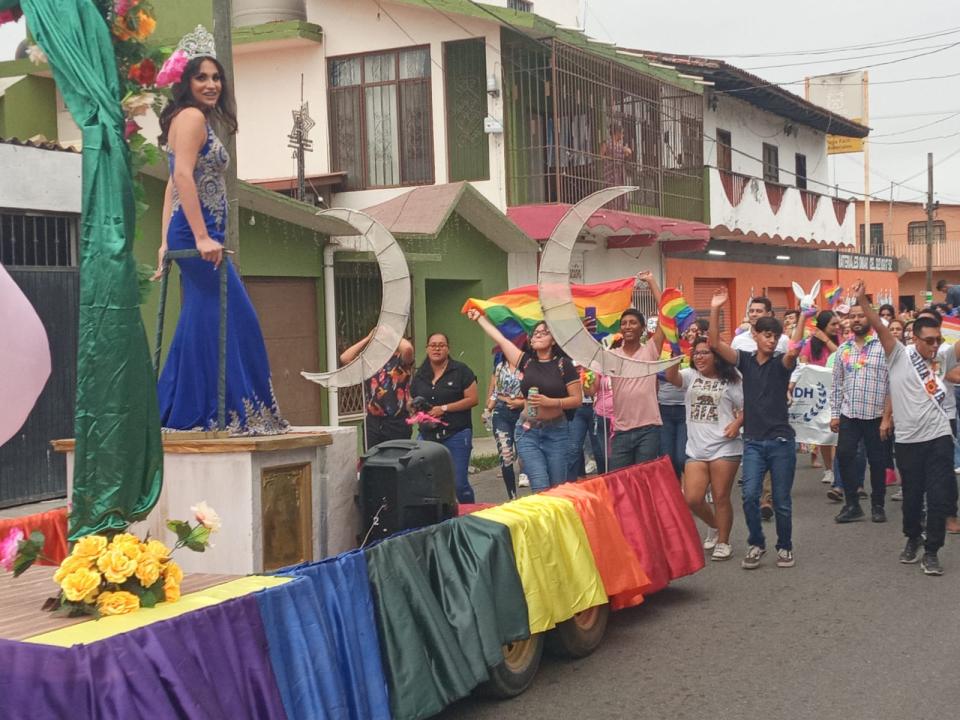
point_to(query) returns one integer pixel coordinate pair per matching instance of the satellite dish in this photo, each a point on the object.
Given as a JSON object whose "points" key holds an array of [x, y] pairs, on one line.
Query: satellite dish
{"points": [[559, 310]]}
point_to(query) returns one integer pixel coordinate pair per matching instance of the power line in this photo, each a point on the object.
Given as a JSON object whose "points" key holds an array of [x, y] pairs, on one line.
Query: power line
{"points": [[918, 140], [852, 57], [846, 48]]}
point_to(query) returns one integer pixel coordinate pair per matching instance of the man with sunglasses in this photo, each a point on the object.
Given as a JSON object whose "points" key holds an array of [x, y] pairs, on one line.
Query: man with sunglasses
{"points": [[924, 442]]}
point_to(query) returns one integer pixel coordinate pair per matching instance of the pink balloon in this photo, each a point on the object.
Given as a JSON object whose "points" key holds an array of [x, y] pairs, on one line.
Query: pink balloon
{"points": [[24, 357]]}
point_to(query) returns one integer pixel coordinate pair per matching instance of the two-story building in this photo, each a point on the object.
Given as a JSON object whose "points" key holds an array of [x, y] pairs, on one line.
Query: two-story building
{"points": [[774, 217], [899, 229]]}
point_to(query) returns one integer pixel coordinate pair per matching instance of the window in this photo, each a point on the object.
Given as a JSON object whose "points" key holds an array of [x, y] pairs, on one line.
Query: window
{"points": [[520, 5], [724, 150], [771, 163], [917, 232], [38, 240], [801, 171], [381, 129], [465, 90], [876, 239]]}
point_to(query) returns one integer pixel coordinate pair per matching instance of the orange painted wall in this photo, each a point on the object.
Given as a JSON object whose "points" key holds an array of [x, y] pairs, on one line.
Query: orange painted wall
{"points": [[762, 277]]}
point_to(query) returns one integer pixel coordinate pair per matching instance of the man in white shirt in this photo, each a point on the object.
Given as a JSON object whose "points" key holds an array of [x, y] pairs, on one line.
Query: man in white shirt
{"points": [[924, 442]]}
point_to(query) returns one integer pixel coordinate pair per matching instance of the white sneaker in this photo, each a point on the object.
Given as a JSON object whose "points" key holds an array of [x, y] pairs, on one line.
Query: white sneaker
{"points": [[827, 478], [722, 551], [523, 480], [751, 561], [710, 541], [785, 558]]}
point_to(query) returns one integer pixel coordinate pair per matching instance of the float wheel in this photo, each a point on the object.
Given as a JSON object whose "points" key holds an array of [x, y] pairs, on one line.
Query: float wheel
{"points": [[580, 635], [521, 660]]}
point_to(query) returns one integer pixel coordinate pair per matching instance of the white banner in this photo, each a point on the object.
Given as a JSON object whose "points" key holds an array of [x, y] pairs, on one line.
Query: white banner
{"points": [[810, 405]]}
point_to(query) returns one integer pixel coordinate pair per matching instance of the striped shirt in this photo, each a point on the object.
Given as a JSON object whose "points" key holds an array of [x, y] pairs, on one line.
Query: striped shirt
{"points": [[860, 384]]}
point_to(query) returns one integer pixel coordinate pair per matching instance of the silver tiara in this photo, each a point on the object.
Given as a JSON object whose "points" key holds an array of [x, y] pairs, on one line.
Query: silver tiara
{"points": [[199, 43]]}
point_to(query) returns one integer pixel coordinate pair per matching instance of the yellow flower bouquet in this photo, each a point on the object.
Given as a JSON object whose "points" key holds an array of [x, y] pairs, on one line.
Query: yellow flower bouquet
{"points": [[116, 574]]}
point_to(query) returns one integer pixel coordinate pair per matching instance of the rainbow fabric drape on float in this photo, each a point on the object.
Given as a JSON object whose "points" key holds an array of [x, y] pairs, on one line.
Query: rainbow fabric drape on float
{"points": [[398, 630], [119, 458], [517, 311]]}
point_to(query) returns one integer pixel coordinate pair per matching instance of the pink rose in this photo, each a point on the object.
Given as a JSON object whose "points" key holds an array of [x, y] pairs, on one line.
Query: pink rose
{"points": [[121, 6], [131, 129], [172, 69], [206, 516], [8, 548]]}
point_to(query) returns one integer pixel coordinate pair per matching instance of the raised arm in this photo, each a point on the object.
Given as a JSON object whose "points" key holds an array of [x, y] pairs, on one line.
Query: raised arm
{"points": [[887, 340], [351, 352], [793, 349], [720, 298], [510, 351], [647, 277], [672, 375]]}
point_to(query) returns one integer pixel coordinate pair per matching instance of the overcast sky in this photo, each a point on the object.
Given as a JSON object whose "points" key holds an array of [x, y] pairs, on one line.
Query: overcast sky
{"points": [[742, 27]]}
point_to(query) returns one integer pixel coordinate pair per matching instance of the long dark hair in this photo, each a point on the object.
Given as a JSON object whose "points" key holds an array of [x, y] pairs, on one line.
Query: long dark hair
{"points": [[557, 350], [225, 112], [725, 371], [816, 344]]}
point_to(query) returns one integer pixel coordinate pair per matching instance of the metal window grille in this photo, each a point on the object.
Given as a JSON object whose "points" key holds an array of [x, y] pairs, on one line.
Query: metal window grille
{"points": [[577, 123], [917, 232], [381, 123], [38, 240], [520, 5], [643, 301]]}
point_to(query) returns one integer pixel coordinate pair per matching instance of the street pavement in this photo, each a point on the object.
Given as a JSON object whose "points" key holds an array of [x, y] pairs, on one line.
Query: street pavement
{"points": [[849, 632]]}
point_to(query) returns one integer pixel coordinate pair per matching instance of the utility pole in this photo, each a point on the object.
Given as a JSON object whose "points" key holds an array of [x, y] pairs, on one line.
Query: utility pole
{"points": [[929, 228], [866, 165], [222, 35]]}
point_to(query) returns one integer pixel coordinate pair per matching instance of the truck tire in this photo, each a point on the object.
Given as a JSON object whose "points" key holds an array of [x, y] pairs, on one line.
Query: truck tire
{"points": [[580, 635], [515, 674]]}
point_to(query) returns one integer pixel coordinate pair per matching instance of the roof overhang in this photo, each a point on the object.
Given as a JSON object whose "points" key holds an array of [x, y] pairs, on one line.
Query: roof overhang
{"points": [[722, 232], [615, 228], [424, 211], [737, 83]]}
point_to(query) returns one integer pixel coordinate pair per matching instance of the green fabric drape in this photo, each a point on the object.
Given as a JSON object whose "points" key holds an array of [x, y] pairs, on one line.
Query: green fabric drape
{"points": [[447, 598], [118, 469]]}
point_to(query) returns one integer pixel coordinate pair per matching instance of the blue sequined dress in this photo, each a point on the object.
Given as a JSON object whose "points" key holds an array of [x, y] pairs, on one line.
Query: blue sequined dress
{"points": [[188, 384]]}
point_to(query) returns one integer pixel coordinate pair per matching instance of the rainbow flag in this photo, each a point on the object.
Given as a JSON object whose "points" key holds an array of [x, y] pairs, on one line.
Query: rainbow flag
{"points": [[676, 316], [833, 296], [517, 311], [951, 330]]}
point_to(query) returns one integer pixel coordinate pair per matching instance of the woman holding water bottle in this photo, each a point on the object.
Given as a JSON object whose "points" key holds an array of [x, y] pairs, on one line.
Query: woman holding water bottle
{"points": [[551, 385]]}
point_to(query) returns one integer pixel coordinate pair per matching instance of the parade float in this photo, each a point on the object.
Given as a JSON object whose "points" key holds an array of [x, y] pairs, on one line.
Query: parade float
{"points": [[263, 624]]}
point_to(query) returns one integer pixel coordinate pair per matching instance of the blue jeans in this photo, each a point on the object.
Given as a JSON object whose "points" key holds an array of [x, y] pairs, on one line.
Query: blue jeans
{"points": [[543, 451], [504, 421], [460, 446], [673, 435], [779, 456], [581, 427], [635, 445]]}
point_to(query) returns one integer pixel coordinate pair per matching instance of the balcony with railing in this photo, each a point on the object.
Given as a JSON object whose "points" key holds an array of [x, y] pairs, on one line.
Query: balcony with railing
{"points": [[576, 123], [742, 206]]}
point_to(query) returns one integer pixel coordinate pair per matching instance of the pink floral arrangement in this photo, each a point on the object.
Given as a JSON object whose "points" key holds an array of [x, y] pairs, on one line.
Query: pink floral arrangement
{"points": [[422, 418], [172, 69], [9, 547], [11, 15]]}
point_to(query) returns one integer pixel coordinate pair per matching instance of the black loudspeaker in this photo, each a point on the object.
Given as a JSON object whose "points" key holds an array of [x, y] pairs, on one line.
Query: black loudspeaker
{"points": [[406, 484]]}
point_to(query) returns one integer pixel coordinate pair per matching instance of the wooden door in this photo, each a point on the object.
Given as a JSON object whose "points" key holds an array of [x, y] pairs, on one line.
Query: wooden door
{"points": [[287, 308]]}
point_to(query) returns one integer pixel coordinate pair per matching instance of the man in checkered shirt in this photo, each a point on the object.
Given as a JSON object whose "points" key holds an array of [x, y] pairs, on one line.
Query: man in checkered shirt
{"points": [[861, 410]]}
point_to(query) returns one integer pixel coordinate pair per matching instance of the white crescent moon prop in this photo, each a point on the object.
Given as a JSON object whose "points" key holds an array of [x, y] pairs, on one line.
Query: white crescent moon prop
{"points": [[559, 310], [24, 357], [394, 308]]}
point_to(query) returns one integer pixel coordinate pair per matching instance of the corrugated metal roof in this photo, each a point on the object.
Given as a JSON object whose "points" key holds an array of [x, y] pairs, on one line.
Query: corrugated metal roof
{"points": [[39, 142], [738, 83]]}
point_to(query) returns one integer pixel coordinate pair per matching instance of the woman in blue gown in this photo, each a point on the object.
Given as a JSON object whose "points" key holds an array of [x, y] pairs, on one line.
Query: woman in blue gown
{"points": [[195, 216]]}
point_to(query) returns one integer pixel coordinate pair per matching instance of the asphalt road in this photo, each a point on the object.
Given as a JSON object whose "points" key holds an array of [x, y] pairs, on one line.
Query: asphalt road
{"points": [[848, 632]]}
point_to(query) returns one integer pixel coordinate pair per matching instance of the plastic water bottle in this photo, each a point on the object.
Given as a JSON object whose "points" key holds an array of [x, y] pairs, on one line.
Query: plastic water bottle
{"points": [[531, 410], [928, 296]]}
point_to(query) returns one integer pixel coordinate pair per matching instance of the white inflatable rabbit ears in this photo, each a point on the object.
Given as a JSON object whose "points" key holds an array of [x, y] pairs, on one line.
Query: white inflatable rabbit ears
{"points": [[807, 300]]}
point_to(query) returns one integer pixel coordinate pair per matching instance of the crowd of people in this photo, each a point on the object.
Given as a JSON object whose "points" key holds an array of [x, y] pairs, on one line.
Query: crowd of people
{"points": [[724, 409]]}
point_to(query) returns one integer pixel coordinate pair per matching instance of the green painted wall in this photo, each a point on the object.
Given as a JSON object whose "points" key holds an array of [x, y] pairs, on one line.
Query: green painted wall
{"points": [[30, 108], [175, 18]]}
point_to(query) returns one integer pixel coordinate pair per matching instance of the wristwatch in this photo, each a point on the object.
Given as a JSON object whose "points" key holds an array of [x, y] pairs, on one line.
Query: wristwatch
{"points": [[444, 408]]}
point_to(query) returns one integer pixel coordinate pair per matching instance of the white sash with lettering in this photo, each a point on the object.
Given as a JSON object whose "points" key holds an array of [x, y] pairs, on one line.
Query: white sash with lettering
{"points": [[928, 378], [810, 405]]}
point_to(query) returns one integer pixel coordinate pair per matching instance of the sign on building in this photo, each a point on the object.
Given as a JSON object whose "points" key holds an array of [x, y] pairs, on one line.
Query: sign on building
{"points": [[854, 261], [844, 94]]}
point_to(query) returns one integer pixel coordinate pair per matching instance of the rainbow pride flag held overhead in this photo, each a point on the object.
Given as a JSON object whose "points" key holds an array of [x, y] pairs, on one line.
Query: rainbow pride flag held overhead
{"points": [[833, 296], [517, 311], [676, 316]]}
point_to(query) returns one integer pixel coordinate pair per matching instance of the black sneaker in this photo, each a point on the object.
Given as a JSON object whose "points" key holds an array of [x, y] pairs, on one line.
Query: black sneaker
{"points": [[766, 512], [849, 514], [877, 514], [930, 564], [911, 551], [835, 494]]}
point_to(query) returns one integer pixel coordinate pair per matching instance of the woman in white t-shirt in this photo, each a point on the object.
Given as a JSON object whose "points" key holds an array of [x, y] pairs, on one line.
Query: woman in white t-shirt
{"points": [[714, 403]]}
